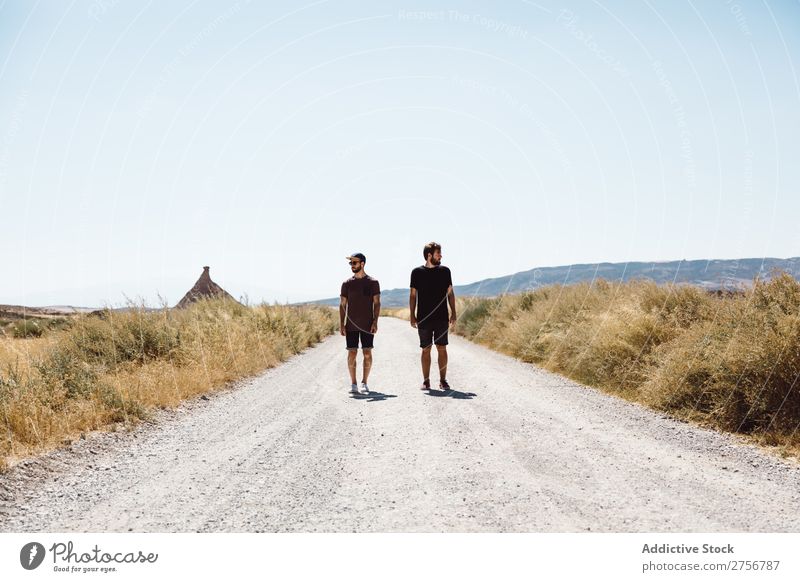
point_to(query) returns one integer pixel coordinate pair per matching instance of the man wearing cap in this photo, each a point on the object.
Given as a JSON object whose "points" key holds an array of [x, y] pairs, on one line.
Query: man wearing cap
{"points": [[359, 308]]}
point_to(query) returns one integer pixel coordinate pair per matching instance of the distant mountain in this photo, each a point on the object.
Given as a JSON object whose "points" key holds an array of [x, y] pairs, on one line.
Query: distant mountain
{"points": [[711, 274]]}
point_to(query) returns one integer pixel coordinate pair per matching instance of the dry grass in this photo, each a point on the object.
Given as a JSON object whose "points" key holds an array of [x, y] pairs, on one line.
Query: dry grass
{"points": [[102, 371], [730, 362], [397, 312]]}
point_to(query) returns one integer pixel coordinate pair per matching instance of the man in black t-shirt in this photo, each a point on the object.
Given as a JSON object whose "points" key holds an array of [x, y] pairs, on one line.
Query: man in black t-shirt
{"points": [[431, 292], [359, 309]]}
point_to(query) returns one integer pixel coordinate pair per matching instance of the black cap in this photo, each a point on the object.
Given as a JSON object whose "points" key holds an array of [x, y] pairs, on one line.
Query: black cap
{"points": [[359, 256]]}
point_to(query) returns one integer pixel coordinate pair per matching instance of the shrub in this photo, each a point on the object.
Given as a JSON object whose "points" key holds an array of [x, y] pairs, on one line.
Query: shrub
{"points": [[27, 328], [134, 336], [63, 373], [473, 315]]}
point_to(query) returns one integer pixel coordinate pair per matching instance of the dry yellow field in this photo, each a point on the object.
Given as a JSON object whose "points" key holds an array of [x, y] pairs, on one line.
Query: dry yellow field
{"points": [[101, 371], [731, 362]]}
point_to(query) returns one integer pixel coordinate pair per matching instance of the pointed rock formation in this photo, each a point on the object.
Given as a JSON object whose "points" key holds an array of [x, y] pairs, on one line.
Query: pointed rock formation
{"points": [[204, 287]]}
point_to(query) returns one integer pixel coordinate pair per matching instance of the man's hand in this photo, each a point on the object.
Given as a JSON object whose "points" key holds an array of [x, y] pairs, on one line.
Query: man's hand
{"points": [[374, 327], [341, 330], [413, 321], [453, 318]]}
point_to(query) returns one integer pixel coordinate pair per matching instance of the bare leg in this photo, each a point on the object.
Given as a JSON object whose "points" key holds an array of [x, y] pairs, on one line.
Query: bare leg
{"points": [[426, 363], [351, 365], [367, 362], [442, 361]]}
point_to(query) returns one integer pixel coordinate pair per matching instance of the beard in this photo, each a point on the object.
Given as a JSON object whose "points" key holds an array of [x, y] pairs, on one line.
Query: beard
{"points": [[435, 261], [356, 269]]}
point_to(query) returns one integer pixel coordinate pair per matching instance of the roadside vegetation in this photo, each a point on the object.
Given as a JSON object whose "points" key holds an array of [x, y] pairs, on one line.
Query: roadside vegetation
{"points": [[31, 326], [730, 361], [396, 312], [106, 371]]}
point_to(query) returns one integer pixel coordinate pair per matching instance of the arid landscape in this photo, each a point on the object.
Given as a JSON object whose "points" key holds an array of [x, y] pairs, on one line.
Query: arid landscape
{"points": [[510, 448], [111, 368]]}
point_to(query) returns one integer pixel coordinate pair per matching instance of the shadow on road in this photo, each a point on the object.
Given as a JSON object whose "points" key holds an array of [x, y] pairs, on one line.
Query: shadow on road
{"points": [[451, 394], [372, 396]]}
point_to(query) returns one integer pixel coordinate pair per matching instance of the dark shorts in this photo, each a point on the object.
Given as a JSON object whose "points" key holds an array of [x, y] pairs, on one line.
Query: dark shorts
{"points": [[435, 334], [352, 338]]}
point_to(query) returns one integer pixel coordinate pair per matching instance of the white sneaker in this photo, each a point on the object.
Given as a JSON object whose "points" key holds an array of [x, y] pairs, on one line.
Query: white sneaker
{"points": [[353, 388], [364, 388]]}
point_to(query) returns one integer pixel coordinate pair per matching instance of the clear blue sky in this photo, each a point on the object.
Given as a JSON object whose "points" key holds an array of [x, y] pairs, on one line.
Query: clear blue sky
{"points": [[142, 140]]}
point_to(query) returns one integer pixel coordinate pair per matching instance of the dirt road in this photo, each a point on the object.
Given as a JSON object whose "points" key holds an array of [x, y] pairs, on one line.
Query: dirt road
{"points": [[511, 448]]}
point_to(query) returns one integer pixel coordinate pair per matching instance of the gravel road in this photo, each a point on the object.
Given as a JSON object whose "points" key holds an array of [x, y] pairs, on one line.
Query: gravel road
{"points": [[511, 448]]}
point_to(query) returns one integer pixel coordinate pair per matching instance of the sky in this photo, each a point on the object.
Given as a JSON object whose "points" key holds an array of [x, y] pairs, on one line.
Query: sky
{"points": [[141, 141]]}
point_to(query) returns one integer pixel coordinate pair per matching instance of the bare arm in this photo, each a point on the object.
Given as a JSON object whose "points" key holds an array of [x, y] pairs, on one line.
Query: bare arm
{"points": [[412, 305], [376, 312], [342, 312], [451, 299]]}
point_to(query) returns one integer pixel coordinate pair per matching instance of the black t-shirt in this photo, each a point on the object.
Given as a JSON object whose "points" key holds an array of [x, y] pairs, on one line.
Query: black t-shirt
{"points": [[431, 285], [359, 293]]}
